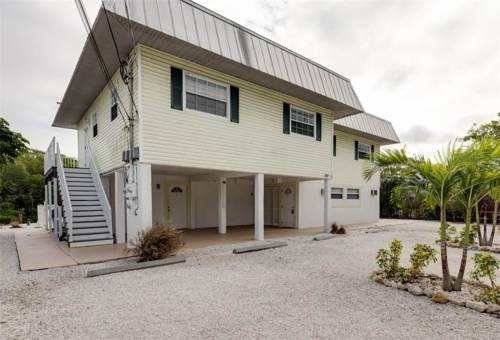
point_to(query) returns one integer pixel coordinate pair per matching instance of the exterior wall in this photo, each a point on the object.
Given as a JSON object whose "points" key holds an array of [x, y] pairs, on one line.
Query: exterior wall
{"points": [[111, 139], [201, 140], [347, 173]]}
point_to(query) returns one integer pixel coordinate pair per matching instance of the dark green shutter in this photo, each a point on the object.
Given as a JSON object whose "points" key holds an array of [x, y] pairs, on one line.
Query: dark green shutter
{"points": [[372, 154], [176, 88], [235, 104], [286, 118], [334, 145], [318, 126], [355, 149]]}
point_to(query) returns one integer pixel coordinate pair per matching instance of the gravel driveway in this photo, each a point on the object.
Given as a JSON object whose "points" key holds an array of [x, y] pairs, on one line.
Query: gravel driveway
{"points": [[303, 291]]}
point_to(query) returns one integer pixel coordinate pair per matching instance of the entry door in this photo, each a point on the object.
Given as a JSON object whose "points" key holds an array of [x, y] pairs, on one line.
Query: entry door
{"points": [[176, 205], [287, 207]]}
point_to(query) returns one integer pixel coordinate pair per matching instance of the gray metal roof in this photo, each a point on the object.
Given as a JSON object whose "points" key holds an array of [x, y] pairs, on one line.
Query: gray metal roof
{"points": [[193, 32], [369, 126]]}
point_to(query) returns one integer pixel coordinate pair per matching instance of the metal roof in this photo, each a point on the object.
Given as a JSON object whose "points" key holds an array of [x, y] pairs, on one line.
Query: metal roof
{"points": [[369, 126], [192, 32]]}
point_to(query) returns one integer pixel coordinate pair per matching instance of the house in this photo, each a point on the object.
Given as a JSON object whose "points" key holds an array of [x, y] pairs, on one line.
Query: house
{"points": [[207, 124]]}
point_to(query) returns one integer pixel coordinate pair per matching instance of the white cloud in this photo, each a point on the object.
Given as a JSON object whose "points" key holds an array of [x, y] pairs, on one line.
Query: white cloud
{"points": [[430, 64]]}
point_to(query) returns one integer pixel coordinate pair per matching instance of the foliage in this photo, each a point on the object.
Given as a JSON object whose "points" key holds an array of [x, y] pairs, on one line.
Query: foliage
{"points": [[341, 231], [21, 186], [157, 243], [487, 130], [12, 144], [485, 266], [421, 257], [335, 228], [388, 260]]}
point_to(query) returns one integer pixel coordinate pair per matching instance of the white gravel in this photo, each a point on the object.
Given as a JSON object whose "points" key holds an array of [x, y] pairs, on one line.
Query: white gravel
{"points": [[306, 290]]}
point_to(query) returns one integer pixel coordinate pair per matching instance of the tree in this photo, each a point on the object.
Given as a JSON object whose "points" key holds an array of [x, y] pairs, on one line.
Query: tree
{"points": [[12, 144], [438, 179], [487, 130]]}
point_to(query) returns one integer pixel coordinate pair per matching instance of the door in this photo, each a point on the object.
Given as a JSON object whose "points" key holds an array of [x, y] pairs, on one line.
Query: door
{"points": [[287, 206], [86, 139], [176, 205]]}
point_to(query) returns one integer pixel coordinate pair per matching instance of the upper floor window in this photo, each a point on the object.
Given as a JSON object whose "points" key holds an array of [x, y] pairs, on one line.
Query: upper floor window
{"points": [[364, 151], [302, 122], [94, 124], [206, 95], [337, 193], [114, 105], [353, 194]]}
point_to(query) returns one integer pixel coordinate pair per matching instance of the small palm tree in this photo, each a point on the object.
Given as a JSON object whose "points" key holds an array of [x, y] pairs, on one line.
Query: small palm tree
{"points": [[438, 178]]}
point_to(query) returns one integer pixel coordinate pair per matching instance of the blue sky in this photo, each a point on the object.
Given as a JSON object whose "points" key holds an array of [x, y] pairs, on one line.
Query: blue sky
{"points": [[430, 67]]}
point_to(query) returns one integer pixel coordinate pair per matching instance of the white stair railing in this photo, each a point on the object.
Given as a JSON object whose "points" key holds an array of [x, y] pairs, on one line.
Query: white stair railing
{"points": [[63, 187], [49, 158], [101, 194]]}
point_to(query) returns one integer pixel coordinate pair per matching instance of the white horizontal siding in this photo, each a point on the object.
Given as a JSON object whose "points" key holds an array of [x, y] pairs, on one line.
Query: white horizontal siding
{"points": [[196, 139]]}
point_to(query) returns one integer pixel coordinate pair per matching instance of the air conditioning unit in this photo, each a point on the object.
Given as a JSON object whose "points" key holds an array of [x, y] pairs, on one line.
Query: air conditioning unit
{"points": [[126, 155]]}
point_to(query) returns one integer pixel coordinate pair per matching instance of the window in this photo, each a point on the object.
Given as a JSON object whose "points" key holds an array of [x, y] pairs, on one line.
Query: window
{"points": [[337, 193], [302, 122], [364, 151], [353, 194], [206, 96], [114, 105], [94, 124]]}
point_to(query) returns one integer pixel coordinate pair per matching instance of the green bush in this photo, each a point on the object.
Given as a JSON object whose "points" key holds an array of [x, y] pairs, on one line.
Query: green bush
{"points": [[388, 260], [485, 266], [421, 257], [4, 219]]}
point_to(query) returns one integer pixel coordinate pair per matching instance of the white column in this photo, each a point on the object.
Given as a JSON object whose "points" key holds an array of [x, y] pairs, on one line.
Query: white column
{"points": [[45, 206], [119, 206], [222, 206], [326, 205], [139, 201], [49, 208], [56, 206], [192, 206], [259, 207]]}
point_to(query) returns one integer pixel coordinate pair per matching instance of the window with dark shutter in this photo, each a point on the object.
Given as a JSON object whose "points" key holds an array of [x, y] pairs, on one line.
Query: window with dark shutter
{"points": [[356, 150], [318, 126], [176, 88], [372, 154], [235, 104], [114, 105], [94, 124], [286, 118], [334, 145]]}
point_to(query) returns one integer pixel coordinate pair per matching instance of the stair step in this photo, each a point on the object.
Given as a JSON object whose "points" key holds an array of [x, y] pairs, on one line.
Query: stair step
{"points": [[77, 175], [97, 212], [91, 236], [79, 234], [89, 224], [78, 199], [76, 227], [76, 170], [87, 184], [73, 193], [94, 242], [96, 217], [80, 180], [82, 206]]}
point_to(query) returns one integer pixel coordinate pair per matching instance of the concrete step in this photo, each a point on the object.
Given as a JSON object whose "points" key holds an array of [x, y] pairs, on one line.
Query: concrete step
{"points": [[73, 170], [79, 235], [93, 242], [89, 224], [96, 217]]}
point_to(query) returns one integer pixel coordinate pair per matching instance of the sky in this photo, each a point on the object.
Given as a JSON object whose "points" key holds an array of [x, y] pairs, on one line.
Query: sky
{"points": [[430, 67]]}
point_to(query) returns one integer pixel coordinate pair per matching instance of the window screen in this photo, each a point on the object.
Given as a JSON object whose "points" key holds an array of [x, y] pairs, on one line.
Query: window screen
{"points": [[303, 122], [206, 96]]}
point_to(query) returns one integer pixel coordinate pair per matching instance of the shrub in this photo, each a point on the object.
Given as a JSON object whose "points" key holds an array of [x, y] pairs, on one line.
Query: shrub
{"points": [[439, 298], [485, 266], [157, 243], [451, 233], [341, 231], [462, 236], [6, 219], [388, 260], [335, 228], [421, 257], [15, 224]]}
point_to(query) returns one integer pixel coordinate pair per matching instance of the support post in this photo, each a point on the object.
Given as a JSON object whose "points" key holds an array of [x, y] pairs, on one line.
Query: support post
{"points": [[50, 224], [222, 206], [259, 207], [326, 205], [56, 208], [119, 205], [139, 201]]}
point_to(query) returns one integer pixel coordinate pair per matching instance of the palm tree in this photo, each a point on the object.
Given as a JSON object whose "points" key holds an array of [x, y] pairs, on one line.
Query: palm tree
{"points": [[439, 179]]}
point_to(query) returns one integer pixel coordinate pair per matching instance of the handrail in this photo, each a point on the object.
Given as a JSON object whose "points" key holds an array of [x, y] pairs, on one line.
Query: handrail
{"points": [[100, 189], [49, 158], [68, 208]]}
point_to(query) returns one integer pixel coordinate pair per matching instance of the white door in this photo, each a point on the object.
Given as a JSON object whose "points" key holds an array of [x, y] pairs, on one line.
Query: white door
{"points": [[287, 206], [86, 133], [176, 205]]}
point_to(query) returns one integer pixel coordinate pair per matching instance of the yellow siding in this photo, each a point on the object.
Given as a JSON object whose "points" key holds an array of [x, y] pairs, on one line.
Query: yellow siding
{"points": [[111, 139], [195, 139], [346, 170]]}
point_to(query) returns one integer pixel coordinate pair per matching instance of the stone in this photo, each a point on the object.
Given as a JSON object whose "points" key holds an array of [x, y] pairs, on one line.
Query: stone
{"points": [[456, 300], [324, 236], [476, 305], [429, 292], [493, 308], [401, 286], [259, 246], [137, 266], [415, 290]]}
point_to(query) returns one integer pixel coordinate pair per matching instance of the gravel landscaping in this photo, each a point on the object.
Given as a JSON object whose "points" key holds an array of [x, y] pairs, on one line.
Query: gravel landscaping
{"points": [[309, 289]]}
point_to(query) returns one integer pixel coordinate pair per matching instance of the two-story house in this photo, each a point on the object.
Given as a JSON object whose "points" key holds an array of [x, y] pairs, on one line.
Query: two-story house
{"points": [[186, 117]]}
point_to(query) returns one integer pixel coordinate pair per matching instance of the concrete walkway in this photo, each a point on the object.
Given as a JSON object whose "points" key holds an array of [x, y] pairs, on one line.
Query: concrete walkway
{"points": [[38, 249]]}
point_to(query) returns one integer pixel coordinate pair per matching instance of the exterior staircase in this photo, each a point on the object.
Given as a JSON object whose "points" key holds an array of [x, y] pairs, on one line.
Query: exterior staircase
{"points": [[89, 222]]}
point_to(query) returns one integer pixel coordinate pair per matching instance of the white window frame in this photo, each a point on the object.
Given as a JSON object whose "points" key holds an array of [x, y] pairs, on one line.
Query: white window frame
{"points": [[305, 111], [358, 193], [195, 75], [341, 193], [369, 151]]}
